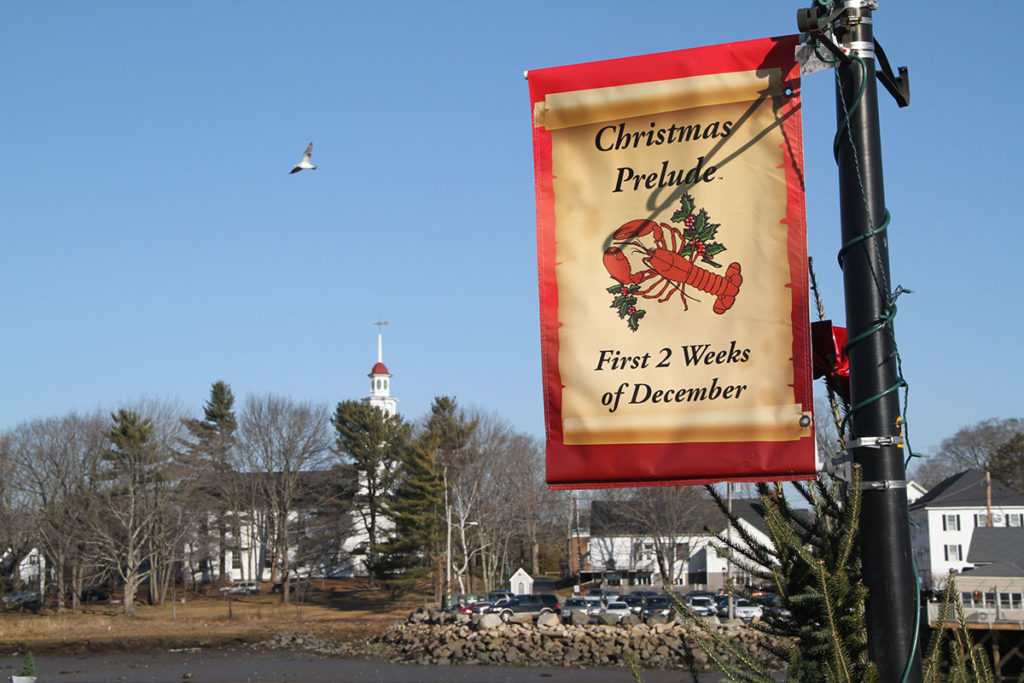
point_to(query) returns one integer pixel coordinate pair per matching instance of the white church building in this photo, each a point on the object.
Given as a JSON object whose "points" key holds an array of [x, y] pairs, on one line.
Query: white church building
{"points": [[248, 556]]}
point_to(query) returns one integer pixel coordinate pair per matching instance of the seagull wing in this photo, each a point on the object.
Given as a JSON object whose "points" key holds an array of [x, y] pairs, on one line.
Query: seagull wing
{"points": [[307, 155]]}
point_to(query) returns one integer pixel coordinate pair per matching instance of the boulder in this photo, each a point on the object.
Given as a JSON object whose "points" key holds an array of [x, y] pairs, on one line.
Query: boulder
{"points": [[548, 620], [488, 622], [578, 618]]}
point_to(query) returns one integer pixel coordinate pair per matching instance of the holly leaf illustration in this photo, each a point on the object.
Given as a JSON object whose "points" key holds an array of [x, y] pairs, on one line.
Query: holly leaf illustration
{"points": [[634, 320], [709, 232], [623, 303], [624, 307], [686, 206], [713, 248], [699, 221]]}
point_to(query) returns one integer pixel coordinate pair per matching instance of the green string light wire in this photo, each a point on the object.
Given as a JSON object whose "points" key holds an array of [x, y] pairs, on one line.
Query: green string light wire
{"points": [[888, 315]]}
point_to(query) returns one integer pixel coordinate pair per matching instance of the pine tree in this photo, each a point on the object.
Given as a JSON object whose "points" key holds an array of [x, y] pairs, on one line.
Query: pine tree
{"points": [[209, 454], [415, 550], [372, 442], [408, 559]]}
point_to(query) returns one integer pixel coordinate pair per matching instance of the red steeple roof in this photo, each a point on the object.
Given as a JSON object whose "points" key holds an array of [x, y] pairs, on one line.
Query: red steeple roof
{"points": [[379, 369]]}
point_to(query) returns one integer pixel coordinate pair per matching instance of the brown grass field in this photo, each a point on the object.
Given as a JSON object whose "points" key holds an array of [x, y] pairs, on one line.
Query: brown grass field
{"points": [[337, 609]]}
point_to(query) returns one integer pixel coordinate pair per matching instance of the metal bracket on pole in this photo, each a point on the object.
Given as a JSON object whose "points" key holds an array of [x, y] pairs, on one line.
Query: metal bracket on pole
{"points": [[898, 86], [874, 441], [883, 485], [819, 27]]}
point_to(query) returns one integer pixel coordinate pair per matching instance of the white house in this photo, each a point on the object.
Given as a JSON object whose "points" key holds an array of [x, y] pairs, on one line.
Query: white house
{"points": [[520, 583], [943, 522], [622, 551], [27, 572]]}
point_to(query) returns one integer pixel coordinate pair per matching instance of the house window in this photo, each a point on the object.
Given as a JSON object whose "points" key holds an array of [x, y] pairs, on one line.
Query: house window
{"points": [[1015, 519], [951, 522], [236, 559], [980, 519], [953, 553]]}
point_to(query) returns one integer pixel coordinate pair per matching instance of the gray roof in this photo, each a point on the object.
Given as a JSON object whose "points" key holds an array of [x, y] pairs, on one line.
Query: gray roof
{"points": [[997, 544], [967, 489]]}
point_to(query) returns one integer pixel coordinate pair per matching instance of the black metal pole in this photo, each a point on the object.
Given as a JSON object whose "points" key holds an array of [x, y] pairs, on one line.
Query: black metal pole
{"points": [[884, 522]]}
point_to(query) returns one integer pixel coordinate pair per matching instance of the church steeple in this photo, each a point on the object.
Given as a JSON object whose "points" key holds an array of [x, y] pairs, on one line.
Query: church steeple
{"points": [[380, 380]]}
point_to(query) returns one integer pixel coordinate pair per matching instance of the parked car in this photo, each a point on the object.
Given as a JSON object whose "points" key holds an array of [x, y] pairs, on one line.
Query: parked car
{"points": [[574, 604], [473, 607], [644, 594], [617, 608], [533, 605], [497, 605], [241, 588], [659, 606], [636, 603], [594, 605], [772, 605], [604, 594], [701, 605], [746, 610], [22, 600], [95, 595], [721, 604]]}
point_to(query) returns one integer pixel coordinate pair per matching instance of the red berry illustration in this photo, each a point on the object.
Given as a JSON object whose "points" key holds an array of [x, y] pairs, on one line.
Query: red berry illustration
{"points": [[689, 221], [625, 291], [632, 310]]}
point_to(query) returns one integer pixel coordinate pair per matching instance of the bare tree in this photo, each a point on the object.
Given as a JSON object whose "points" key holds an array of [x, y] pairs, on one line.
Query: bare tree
{"points": [[172, 491], [501, 504], [17, 524], [666, 516], [56, 460], [972, 447], [282, 441]]}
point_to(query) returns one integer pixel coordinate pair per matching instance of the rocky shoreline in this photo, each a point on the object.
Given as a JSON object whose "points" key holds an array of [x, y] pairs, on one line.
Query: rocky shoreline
{"points": [[438, 640]]}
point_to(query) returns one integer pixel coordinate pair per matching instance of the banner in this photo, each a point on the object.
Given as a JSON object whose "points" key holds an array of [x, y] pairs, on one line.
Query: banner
{"points": [[672, 258]]}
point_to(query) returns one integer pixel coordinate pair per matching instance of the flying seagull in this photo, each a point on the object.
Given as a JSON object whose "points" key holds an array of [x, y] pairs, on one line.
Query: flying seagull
{"points": [[305, 163]]}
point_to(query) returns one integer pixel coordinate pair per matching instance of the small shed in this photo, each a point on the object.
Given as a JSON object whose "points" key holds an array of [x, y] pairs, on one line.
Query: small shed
{"points": [[520, 583]]}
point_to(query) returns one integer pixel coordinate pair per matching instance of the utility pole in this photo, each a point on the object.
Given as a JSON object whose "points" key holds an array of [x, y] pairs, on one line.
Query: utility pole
{"points": [[875, 434]]}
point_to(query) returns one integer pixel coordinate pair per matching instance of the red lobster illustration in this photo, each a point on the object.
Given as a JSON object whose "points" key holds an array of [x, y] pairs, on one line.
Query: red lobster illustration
{"points": [[672, 270]]}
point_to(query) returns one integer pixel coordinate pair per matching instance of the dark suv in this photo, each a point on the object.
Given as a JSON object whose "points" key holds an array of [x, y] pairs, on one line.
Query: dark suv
{"points": [[532, 605]]}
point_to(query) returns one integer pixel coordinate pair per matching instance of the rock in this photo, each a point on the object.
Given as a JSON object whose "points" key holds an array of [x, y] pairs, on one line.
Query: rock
{"points": [[488, 622], [548, 620], [578, 618]]}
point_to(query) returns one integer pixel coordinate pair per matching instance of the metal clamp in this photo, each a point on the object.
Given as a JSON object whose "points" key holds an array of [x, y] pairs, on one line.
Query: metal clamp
{"points": [[874, 442], [883, 485]]}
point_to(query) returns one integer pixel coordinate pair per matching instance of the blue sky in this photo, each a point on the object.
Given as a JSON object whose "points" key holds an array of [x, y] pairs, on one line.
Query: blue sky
{"points": [[153, 241]]}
